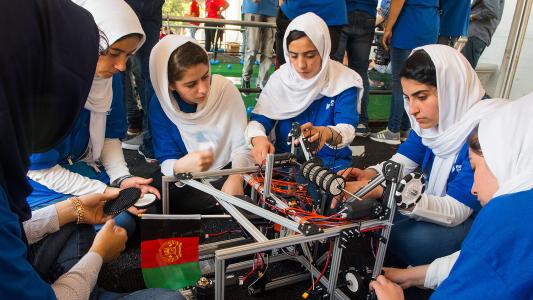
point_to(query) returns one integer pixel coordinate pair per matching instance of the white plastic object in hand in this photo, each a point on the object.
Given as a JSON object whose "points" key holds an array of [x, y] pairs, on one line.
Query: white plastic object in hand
{"points": [[147, 200]]}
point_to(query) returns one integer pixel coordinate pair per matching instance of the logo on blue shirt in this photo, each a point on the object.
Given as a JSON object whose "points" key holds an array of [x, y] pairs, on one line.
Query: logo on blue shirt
{"points": [[330, 104]]}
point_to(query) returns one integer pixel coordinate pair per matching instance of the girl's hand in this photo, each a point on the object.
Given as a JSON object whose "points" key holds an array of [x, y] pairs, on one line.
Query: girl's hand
{"points": [[260, 148], [197, 161]]}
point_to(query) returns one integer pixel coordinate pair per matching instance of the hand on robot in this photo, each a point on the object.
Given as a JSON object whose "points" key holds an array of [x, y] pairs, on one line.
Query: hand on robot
{"points": [[357, 174], [233, 185], [352, 187], [197, 161], [386, 289], [320, 134], [407, 278], [261, 146]]}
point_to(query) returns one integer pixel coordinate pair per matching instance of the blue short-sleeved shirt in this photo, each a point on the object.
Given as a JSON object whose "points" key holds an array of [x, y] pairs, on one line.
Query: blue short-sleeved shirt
{"points": [[267, 8], [455, 18], [368, 6], [496, 253], [333, 12], [73, 148], [461, 177], [322, 112], [417, 25]]}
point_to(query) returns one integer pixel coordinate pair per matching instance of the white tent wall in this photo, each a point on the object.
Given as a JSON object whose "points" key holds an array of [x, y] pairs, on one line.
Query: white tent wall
{"points": [[493, 55]]}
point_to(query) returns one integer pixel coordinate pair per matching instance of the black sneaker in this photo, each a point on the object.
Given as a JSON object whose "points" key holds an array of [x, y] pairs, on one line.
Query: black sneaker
{"points": [[245, 85]]}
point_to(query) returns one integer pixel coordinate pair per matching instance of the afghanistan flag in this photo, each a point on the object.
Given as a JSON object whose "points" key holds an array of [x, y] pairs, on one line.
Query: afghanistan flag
{"points": [[169, 252]]}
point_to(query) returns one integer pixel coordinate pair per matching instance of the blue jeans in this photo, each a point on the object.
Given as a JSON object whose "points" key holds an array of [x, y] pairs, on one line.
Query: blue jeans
{"points": [[356, 38], [418, 242], [150, 16], [398, 119], [473, 49], [55, 254], [133, 74], [160, 294]]}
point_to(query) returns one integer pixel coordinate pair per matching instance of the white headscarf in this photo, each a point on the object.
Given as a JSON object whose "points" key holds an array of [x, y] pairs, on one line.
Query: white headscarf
{"points": [[506, 140], [219, 121], [460, 109], [286, 94], [115, 19]]}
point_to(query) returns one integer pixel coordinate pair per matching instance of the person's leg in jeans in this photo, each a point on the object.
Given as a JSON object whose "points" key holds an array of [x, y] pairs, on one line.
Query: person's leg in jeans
{"points": [[360, 33], [343, 40], [398, 119], [267, 47], [155, 293], [418, 242], [55, 254], [252, 45], [282, 22], [335, 35], [473, 49], [209, 36], [398, 57], [151, 21], [134, 112]]}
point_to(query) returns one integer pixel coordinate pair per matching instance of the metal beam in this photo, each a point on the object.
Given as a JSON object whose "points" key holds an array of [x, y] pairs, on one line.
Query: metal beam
{"points": [[221, 21], [244, 205], [239, 217], [513, 48], [292, 240]]}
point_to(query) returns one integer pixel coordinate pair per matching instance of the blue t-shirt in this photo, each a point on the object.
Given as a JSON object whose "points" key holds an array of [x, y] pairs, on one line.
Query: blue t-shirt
{"points": [[455, 18], [368, 6], [333, 12], [323, 112], [18, 278], [267, 8], [417, 25], [73, 148], [461, 176], [166, 137], [496, 258]]}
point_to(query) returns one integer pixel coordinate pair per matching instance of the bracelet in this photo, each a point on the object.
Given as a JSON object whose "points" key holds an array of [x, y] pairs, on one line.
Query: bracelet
{"points": [[78, 206], [117, 182]]}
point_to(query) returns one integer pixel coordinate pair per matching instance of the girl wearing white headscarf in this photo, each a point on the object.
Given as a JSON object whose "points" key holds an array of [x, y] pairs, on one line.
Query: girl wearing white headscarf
{"points": [[495, 260], [443, 97], [73, 168], [197, 121], [320, 94]]}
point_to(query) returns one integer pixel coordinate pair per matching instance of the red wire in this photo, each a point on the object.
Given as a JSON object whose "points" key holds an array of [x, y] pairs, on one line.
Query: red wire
{"points": [[323, 269], [251, 271]]}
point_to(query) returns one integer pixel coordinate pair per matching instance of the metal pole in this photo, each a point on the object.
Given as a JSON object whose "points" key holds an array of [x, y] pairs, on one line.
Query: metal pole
{"points": [[216, 173], [223, 22], [513, 48], [335, 265], [166, 192], [219, 278], [268, 175]]}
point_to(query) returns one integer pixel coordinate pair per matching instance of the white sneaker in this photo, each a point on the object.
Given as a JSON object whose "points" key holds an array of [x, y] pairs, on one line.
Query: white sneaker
{"points": [[134, 143], [386, 136]]}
